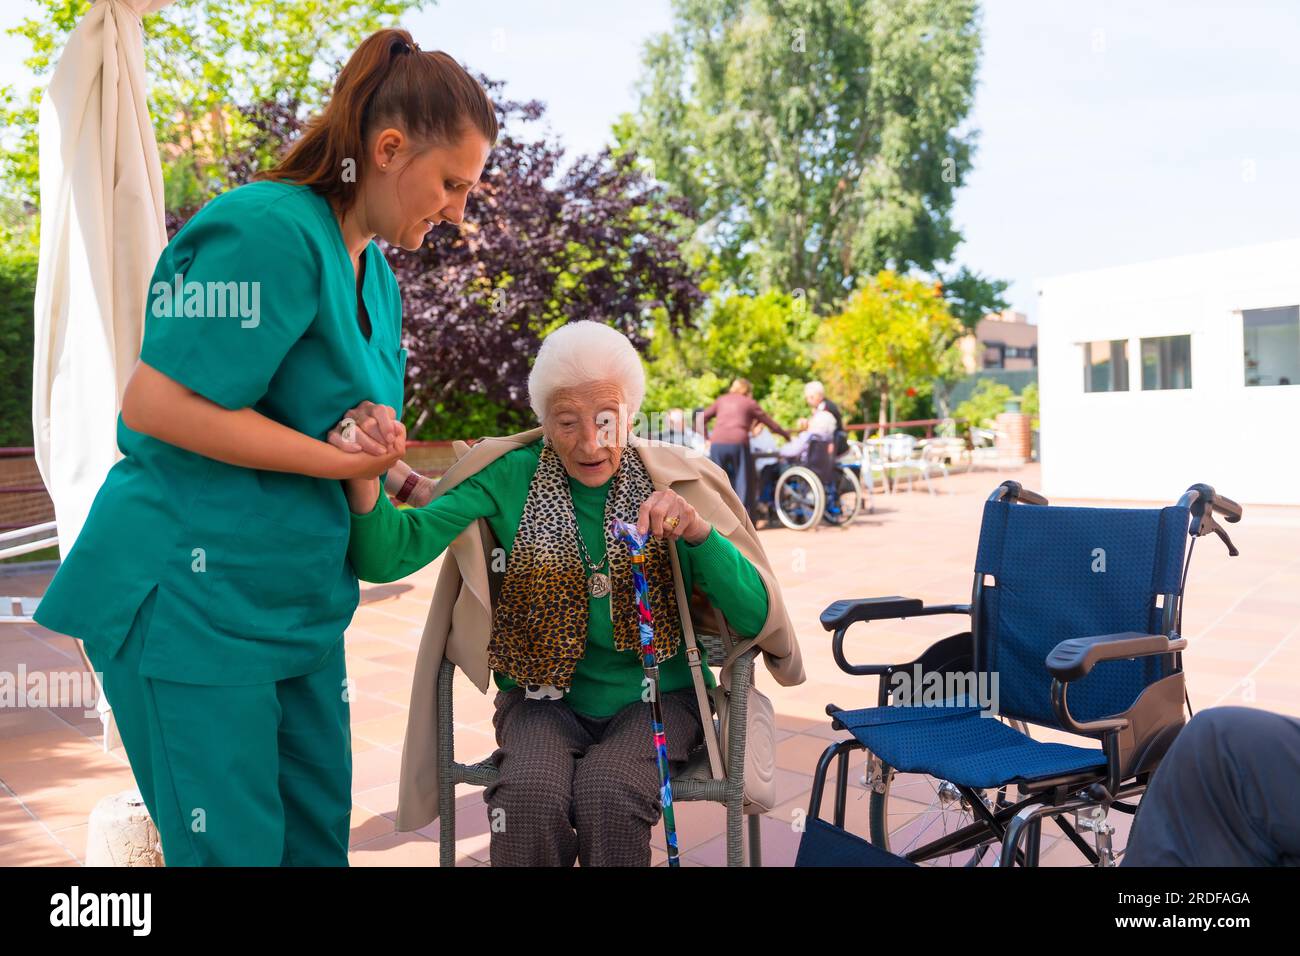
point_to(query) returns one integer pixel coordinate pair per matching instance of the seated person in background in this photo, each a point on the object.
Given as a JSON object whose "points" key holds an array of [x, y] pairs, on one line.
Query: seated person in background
{"points": [[821, 427], [675, 432], [762, 443], [814, 394]]}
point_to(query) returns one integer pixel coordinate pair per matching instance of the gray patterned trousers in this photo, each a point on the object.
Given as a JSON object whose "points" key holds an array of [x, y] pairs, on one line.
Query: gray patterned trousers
{"points": [[562, 772]]}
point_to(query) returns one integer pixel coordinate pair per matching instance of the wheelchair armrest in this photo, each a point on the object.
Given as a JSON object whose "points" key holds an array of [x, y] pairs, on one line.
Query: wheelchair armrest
{"points": [[1075, 658], [842, 614]]}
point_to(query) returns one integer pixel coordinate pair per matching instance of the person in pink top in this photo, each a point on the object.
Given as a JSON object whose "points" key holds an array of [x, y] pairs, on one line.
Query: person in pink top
{"points": [[736, 412]]}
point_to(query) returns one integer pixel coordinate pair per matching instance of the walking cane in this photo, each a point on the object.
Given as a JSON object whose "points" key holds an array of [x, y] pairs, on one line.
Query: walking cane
{"points": [[645, 623]]}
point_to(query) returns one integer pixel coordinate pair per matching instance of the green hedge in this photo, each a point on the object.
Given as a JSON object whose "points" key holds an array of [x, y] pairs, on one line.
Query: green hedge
{"points": [[17, 292]]}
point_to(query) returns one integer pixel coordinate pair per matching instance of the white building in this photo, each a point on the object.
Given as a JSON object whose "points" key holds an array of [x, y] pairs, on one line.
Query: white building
{"points": [[1158, 375]]}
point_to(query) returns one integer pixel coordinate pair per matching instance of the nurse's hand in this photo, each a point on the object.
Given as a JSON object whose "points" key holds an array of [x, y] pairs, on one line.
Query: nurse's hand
{"points": [[378, 430]]}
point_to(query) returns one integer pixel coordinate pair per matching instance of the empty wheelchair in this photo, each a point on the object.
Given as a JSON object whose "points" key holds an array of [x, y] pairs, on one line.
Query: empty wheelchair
{"points": [[814, 488], [1075, 621]]}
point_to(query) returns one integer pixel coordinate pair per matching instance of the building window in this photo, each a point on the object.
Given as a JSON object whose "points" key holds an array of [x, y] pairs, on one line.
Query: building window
{"points": [[1272, 345], [1105, 366], [1167, 362]]}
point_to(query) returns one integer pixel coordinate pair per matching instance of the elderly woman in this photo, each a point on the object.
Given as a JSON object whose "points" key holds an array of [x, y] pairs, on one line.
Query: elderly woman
{"points": [[578, 777]]}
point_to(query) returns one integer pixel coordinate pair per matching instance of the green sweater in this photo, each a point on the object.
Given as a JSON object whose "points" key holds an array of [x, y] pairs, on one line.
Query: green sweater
{"points": [[388, 544]]}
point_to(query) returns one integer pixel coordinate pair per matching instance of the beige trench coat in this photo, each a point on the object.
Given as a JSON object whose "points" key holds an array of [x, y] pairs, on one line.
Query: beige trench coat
{"points": [[460, 616]]}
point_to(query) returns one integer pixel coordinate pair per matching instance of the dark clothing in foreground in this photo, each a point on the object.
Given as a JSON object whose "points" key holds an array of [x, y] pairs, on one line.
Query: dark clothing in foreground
{"points": [[1224, 794]]}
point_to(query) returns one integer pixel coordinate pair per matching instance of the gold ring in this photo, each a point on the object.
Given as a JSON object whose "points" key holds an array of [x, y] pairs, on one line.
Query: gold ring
{"points": [[672, 522]]}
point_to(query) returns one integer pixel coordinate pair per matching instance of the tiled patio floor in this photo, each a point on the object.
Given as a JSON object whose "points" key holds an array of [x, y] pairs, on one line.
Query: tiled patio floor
{"points": [[1242, 620]]}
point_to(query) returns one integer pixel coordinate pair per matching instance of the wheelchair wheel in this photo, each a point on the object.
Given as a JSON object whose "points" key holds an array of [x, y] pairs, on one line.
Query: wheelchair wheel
{"points": [[843, 506], [800, 498], [909, 810]]}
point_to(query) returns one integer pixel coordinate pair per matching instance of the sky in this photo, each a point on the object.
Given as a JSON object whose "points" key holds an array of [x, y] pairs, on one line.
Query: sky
{"points": [[1109, 132]]}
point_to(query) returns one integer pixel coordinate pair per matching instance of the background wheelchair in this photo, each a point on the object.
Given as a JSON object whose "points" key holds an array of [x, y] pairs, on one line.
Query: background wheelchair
{"points": [[811, 489], [1077, 611]]}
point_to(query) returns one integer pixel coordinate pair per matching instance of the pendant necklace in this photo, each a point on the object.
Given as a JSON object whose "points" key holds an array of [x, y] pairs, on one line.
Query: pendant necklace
{"points": [[598, 580]]}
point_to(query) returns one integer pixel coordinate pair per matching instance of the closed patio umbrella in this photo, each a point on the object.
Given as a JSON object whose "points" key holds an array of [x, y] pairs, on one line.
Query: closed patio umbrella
{"points": [[101, 234]]}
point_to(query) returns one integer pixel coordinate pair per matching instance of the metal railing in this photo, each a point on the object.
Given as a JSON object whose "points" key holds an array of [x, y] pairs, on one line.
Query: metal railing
{"points": [[929, 424]]}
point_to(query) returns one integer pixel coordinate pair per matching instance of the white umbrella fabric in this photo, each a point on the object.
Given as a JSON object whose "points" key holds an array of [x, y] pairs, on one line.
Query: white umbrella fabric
{"points": [[101, 233]]}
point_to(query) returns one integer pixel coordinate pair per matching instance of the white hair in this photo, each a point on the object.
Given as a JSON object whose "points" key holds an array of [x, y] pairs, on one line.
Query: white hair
{"points": [[582, 353], [814, 388], [822, 423]]}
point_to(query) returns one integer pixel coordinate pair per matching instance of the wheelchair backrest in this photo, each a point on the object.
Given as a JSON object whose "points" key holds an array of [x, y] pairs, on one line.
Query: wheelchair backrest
{"points": [[819, 457], [1065, 572]]}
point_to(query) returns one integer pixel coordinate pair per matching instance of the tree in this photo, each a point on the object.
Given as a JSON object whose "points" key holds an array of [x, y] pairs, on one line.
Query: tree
{"points": [[539, 248], [894, 332], [17, 289], [986, 402], [205, 60], [971, 296], [763, 338], [816, 140]]}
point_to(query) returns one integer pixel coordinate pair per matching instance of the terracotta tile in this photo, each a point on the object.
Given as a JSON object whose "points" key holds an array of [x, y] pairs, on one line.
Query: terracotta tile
{"points": [[395, 849], [367, 826], [375, 767], [1243, 616], [800, 752], [385, 731], [15, 821], [383, 683], [403, 661], [28, 721], [360, 646], [361, 667], [364, 707], [42, 850], [378, 800]]}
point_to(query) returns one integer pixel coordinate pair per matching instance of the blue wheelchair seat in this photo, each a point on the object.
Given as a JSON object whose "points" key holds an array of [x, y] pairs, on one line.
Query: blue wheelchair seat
{"points": [[956, 744]]}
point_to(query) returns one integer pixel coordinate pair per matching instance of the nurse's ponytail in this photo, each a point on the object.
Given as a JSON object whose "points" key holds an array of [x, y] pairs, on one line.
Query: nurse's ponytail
{"points": [[388, 81]]}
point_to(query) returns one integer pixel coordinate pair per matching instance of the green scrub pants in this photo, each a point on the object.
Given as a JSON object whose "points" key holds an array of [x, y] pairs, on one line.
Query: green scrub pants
{"points": [[256, 775]]}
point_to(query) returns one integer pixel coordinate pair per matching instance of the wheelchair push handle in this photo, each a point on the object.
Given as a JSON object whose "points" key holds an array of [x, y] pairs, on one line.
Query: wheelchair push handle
{"points": [[1226, 507], [1204, 501], [1014, 491]]}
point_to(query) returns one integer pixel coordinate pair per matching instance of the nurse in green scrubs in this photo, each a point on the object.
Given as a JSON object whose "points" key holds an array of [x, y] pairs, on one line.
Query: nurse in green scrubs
{"points": [[210, 584]]}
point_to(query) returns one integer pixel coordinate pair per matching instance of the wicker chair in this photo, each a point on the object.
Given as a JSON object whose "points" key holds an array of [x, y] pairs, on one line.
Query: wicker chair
{"points": [[694, 783]]}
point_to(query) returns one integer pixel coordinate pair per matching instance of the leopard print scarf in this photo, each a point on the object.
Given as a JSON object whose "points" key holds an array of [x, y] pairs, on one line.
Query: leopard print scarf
{"points": [[539, 625]]}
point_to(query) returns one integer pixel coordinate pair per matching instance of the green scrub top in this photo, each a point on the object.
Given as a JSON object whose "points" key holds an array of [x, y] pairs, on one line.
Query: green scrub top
{"points": [[252, 304]]}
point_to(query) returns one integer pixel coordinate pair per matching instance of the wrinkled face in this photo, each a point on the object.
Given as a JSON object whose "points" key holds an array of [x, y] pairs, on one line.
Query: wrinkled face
{"points": [[411, 188], [813, 399], [583, 426]]}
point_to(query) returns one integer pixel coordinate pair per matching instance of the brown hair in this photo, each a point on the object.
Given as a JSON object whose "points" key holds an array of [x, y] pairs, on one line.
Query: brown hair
{"points": [[742, 386], [387, 80]]}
